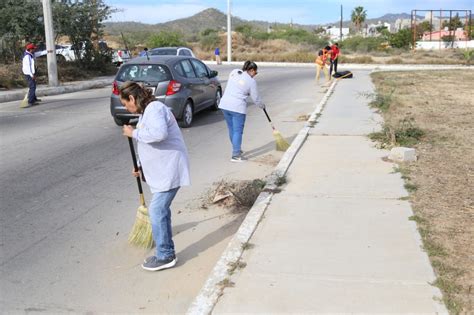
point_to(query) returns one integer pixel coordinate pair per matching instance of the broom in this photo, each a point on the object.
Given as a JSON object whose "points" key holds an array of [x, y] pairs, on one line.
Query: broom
{"points": [[24, 102], [281, 143], [141, 234]]}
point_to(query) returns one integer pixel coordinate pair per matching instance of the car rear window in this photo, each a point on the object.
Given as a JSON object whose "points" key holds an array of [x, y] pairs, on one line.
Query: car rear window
{"points": [[164, 52], [147, 73]]}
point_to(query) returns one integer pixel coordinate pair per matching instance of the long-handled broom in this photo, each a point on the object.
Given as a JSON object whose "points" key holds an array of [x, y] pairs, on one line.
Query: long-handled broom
{"points": [[281, 143], [141, 234]]}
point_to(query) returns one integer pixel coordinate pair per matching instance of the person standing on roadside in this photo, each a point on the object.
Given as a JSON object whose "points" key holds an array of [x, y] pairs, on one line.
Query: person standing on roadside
{"points": [[29, 70], [321, 62], [143, 53], [164, 160], [335, 52], [240, 85], [217, 53]]}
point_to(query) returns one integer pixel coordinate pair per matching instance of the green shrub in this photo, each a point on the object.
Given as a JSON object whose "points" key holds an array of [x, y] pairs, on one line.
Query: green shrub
{"points": [[166, 38], [362, 44]]}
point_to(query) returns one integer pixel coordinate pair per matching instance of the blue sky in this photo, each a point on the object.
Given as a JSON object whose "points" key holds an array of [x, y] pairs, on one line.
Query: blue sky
{"points": [[300, 11]]}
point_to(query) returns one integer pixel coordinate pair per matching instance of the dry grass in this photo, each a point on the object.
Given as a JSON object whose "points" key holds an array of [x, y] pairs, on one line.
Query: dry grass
{"points": [[441, 103]]}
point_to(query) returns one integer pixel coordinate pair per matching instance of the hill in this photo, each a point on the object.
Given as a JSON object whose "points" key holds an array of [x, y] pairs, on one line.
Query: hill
{"points": [[215, 19]]}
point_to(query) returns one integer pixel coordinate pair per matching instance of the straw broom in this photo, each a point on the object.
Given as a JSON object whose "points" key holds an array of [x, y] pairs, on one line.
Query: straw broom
{"points": [[141, 234], [24, 102], [281, 143]]}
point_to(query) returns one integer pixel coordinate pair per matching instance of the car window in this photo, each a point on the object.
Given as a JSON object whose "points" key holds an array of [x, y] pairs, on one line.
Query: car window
{"points": [[179, 69], [188, 69], [182, 53], [164, 52], [201, 69], [185, 52], [147, 73]]}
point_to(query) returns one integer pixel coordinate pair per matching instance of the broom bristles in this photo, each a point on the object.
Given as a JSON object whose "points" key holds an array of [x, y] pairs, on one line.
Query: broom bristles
{"points": [[281, 143], [141, 234], [24, 102]]}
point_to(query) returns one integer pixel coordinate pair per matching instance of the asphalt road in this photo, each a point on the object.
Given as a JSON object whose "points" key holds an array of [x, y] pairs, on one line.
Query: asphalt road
{"points": [[68, 200]]}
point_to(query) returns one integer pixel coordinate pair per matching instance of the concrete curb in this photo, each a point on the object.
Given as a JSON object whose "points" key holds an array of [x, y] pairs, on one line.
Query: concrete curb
{"points": [[354, 66], [211, 291], [45, 91]]}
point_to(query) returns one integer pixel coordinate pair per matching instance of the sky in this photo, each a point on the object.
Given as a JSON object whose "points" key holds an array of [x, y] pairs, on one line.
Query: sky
{"points": [[284, 11]]}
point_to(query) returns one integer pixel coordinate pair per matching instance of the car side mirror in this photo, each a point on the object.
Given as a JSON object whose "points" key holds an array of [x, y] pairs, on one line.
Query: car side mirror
{"points": [[213, 74]]}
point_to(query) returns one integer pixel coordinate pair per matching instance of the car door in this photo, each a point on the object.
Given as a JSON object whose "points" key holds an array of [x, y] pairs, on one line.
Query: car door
{"points": [[207, 88], [193, 83]]}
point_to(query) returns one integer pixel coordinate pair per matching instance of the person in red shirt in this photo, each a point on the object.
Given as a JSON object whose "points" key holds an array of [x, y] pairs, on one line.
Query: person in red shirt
{"points": [[335, 52]]}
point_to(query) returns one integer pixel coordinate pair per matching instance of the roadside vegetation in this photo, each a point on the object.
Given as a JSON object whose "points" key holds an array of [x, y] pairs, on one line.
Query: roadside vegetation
{"points": [[432, 111]]}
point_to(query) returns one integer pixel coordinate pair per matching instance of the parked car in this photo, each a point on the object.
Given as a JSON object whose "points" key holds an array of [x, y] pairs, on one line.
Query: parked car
{"points": [[184, 84], [172, 51], [63, 52], [120, 56]]}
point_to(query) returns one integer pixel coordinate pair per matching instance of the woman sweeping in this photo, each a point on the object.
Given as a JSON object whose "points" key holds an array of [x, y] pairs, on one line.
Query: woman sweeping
{"points": [[240, 85], [164, 160]]}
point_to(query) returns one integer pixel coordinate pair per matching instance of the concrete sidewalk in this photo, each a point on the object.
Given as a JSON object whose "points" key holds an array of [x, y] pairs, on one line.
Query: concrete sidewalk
{"points": [[67, 87], [337, 238]]}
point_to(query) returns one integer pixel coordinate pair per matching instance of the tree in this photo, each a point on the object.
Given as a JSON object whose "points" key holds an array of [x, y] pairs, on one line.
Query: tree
{"points": [[21, 21], [401, 39], [454, 24], [358, 17], [166, 38], [82, 22]]}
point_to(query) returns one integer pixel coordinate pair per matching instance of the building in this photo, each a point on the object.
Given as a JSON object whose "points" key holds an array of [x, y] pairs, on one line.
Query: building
{"points": [[459, 34], [334, 33]]}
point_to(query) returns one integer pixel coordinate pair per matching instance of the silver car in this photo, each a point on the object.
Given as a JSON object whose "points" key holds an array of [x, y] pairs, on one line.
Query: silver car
{"points": [[184, 84]]}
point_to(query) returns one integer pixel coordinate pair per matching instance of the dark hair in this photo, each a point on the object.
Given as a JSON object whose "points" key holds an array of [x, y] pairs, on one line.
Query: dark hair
{"points": [[249, 65], [142, 95], [336, 44], [145, 49], [327, 47]]}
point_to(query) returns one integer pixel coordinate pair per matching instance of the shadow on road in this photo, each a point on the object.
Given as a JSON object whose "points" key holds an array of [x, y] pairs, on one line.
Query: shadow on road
{"points": [[270, 146], [210, 240]]}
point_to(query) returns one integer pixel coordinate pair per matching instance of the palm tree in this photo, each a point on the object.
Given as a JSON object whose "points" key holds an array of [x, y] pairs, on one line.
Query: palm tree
{"points": [[358, 17]]}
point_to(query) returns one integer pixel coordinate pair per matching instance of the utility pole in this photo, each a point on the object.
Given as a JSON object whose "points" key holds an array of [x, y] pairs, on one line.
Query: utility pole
{"points": [[229, 33], [340, 27], [50, 45]]}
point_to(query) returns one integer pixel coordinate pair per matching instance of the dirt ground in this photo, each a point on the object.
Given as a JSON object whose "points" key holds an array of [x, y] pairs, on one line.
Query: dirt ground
{"points": [[441, 182]]}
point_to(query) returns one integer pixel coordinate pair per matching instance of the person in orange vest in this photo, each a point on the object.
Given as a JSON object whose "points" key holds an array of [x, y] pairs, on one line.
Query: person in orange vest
{"points": [[321, 63], [335, 52]]}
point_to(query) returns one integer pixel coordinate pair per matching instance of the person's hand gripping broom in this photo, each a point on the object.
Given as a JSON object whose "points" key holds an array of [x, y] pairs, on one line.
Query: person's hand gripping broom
{"points": [[141, 234]]}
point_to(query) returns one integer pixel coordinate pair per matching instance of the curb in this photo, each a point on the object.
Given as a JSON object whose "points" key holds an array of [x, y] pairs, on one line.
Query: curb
{"points": [[69, 88], [354, 66], [208, 297]]}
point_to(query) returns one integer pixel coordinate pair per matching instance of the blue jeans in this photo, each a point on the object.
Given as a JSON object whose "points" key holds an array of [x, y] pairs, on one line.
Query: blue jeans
{"points": [[32, 90], [160, 217], [235, 124]]}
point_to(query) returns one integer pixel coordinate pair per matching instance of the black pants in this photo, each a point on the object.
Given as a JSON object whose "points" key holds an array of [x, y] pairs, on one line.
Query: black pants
{"points": [[32, 90], [333, 63]]}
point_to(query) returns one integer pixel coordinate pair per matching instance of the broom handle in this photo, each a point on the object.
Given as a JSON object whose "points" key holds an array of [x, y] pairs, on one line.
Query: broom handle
{"points": [[268, 117], [266, 114], [135, 165]]}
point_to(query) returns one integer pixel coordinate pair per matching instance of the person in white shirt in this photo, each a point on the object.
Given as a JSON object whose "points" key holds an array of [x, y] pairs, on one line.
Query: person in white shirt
{"points": [[28, 68], [164, 161], [240, 85]]}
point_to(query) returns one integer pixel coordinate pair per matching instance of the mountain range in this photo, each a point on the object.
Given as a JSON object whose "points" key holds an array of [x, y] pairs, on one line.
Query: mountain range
{"points": [[215, 19]]}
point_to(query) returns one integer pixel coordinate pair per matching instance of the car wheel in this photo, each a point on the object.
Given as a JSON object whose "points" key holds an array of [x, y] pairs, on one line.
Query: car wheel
{"points": [[188, 115], [121, 122], [217, 100]]}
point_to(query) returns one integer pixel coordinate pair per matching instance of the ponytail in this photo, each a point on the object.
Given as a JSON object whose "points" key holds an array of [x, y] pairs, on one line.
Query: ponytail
{"points": [[143, 96]]}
